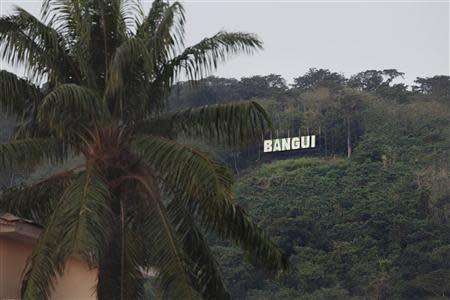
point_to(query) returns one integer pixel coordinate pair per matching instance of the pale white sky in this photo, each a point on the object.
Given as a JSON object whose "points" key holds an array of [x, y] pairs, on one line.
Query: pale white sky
{"points": [[343, 36]]}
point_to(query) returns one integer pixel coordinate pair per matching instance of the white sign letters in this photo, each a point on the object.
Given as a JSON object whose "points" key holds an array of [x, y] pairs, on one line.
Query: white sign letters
{"points": [[286, 144]]}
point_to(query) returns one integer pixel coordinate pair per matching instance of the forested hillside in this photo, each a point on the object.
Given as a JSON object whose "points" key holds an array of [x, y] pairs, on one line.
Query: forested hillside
{"points": [[365, 215], [358, 228], [339, 110]]}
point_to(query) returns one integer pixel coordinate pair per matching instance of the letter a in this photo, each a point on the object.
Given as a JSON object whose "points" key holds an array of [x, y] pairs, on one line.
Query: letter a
{"points": [[276, 145]]}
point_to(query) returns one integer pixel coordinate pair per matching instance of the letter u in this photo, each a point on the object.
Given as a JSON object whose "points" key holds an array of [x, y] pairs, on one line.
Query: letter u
{"points": [[306, 141]]}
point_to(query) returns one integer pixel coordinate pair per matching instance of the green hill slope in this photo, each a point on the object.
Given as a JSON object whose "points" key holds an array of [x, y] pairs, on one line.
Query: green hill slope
{"points": [[354, 229]]}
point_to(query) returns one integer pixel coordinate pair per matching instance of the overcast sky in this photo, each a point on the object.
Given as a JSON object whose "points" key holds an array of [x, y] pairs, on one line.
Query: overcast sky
{"points": [[343, 36]]}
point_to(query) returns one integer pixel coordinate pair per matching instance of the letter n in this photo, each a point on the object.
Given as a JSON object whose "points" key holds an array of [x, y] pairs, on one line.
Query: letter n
{"points": [[286, 144]]}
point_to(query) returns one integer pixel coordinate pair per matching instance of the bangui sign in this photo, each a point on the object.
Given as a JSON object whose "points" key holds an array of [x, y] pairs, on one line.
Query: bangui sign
{"points": [[286, 144]]}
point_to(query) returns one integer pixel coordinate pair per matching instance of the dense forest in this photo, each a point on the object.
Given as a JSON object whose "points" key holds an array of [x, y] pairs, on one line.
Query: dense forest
{"points": [[364, 215]]}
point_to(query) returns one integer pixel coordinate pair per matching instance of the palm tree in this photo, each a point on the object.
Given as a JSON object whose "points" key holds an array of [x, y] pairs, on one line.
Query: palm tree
{"points": [[98, 76]]}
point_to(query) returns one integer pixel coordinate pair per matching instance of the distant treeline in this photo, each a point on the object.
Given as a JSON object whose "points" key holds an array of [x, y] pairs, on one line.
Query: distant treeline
{"points": [[214, 90]]}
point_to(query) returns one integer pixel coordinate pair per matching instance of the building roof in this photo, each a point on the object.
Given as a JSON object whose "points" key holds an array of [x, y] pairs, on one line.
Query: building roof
{"points": [[18, 228]]}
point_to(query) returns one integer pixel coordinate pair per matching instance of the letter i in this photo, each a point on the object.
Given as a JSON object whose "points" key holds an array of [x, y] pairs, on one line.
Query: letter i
{"points": [[313, 141]]}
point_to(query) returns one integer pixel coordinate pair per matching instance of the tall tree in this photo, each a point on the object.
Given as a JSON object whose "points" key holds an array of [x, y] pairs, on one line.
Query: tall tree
{"points": [[262, 86], [316, 78], [350, 108], [381, 83], [138, 199], [369, 80], [438, 86]]}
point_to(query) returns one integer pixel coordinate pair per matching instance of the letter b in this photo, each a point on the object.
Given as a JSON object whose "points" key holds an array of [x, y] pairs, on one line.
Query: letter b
{"points": [[268, 146]]}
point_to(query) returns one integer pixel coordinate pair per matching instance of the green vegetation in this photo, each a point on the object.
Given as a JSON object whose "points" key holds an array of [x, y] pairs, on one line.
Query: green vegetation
{"points": [[375, 226], [352, 228], [95, 95]]}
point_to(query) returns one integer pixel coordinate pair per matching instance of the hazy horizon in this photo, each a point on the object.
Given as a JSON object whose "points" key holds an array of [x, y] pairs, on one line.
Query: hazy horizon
{"points": [[344, 37]]}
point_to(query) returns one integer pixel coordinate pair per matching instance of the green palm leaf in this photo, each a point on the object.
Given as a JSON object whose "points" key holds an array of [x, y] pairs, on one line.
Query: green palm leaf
{"points": [[17, 95], [70, 105], [130, 53], [205, 188], [129, 80], [132, 14], [77, 226], [37, 201], [166, 253], [199, 60], [206, 275], [32, 151], [232, 124], [163, 29], [28, 41], [71, 19]]}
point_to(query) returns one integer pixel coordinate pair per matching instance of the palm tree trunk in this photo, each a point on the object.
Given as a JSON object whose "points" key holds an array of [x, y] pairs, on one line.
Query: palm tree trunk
{"points": [[109, 270], [110, 264]]}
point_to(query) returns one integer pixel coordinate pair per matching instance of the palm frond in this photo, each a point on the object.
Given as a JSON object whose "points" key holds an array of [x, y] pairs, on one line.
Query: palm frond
{"points": [[231, 124], [62, 12], [46, 261], [206, 275], [130, 52], [72, 19], [86, 213], [69, 105], [151, 21], [163, 29], [94, 29], [77, 226], [37, 201], [16, 94], [40, 48], [112, 28], [28, 127], [199, 60], [137, 256], [129, 78], [163, 33], [205, 189], [29, 152], [132, 14], [165, 251]]}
